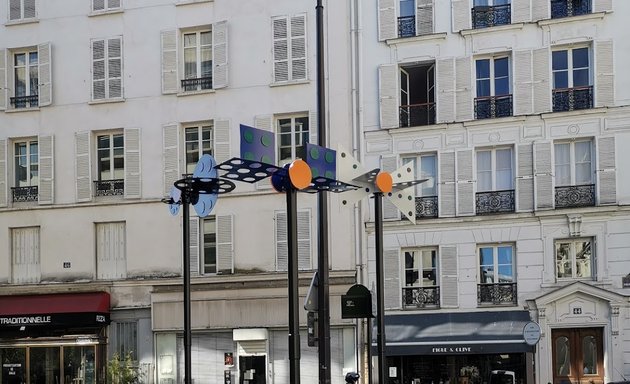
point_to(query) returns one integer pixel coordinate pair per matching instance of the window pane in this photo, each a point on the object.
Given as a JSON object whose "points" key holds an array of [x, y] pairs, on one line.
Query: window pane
{"points": [[483, 88], [190, 40], [209, 246], [501, 67], [562, 158], [589, 355], [484, 171], [20, 59], [502, 86], [427, 171], [486, 275], [563, 260], [563, 356], [559, 60], [560, 80], [505, 255], [206, 38], [580, 78], [580, 58], [190, 63], [483, 69], [485, 256], [505, 274], [103, 142], [583, 259], [119, 141], [407, 8]]}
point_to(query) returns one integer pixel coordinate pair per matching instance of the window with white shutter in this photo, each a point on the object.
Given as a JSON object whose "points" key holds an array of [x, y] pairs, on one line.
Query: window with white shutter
{"points": [[22, 10], [606, 170], [574, 173], [107, 80], [289, 48], [292, 134], [497, 275], [404, 18], [26, 171], [99, 6], [425, 167], [25, 255], [303, 240], [568, 8], [525, 177], [216, 249], [572, 79], [421, 287], [111, 253], [494, 87], [28, 82], [392, 296], [490, 13], [495, 180]]}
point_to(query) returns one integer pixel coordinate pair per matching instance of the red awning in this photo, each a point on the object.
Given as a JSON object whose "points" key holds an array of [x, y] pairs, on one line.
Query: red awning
{"points": [[93, 302]]}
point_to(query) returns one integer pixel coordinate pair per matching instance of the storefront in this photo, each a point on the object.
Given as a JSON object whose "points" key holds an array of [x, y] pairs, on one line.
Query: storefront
{"points": [[457, 348], [58, 338]]}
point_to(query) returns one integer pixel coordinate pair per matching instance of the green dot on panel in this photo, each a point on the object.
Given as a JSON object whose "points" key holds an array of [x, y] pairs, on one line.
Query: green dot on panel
{"points": [[329, 157], [248, 136], [314, 153], [248, 156], [314, 172], [329, 175], [265, 140], [265, 159]]}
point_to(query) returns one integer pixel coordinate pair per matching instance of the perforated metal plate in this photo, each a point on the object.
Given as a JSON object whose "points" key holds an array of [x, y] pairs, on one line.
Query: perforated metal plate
{"points": [[247, 170]]}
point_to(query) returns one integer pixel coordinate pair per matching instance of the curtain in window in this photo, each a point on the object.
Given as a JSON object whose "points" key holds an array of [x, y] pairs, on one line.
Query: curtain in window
{"points": [[427, 171], [504, 169], [484, 171], [583, 162], [563, 164]]}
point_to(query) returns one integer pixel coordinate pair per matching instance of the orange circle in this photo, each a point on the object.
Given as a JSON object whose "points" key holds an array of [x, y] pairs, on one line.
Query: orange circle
{"points": [[300, 174], [384, 182]]}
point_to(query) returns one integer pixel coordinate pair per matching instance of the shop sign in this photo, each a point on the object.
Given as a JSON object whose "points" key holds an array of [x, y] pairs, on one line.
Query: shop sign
{"points": [[531, 333], [452, 350], [25, 320], [54, 320]]}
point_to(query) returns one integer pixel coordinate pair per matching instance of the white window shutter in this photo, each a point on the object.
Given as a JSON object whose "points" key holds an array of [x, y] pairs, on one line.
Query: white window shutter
{"points": [[463, 89], [46, 188], [263, 122], [523, 86], [424, 17], [389, 163], [542, 83], [448, 277], [298, 48], [44, 56], [111, 251], [280, 29], [606, 170], [540, 10], [169, 61], [304, 239], [29, 9], [3, 79], [221, 148], [391, 279], [225, 244], [543, 175], [219, 55], [446, 93], [605, 78], [388, 95], [521, 11], [114, 68], [3, 173], [461, 15], [525, 178], [282, 252], [15, 9], [194, 238], [446, 184], [83, 167], [98, 5], [170, 156], [99, 61], [313, 128], [602, 5], [386, 19], [112, 4], [26, 256], [133, 172], [465, 190]]}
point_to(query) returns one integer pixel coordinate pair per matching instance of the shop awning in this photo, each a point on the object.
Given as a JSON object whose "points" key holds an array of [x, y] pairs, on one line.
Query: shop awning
{"points": [[455, 333]]}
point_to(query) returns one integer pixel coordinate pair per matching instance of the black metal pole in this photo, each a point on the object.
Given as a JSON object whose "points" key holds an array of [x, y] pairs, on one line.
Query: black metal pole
{"points": [[294, 314], [186, 267], [380, 309], [369, 351]]}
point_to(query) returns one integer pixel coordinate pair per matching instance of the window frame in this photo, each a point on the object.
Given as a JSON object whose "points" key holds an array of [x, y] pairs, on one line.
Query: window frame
{"points": [[106, 7], [107, 61], [573, 162], [28, 143], [213, 245], [492, 79], [419, 174], [27, 71], [121, 346], [199, 141], [295, 148], [493, 168], [22, 11], [570, 68], [421, 267], [573, 258], [111, 156], [495, 263], [198, 47]]}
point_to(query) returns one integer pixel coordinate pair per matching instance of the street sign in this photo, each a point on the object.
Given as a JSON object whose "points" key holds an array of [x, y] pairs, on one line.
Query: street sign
{"points": [[531, 333]]}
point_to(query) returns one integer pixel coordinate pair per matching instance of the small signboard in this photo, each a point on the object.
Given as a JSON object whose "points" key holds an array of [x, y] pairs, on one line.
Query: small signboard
{"points": [[356, 303], [531, 333]]}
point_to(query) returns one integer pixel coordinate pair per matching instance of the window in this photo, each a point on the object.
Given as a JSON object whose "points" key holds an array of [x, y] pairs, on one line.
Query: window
{"points": [[494, 98], [110, 164], [565, 8], [289, 48], [28, 80], [574, 259], [571, 79], [111, 258], [404, 18], [198, 143], [417, 95], [425, 166], [126, 339], [26, 170], [495, 181], [303, 240], [21, 9], [574, 174], [293, 134], [197, 61], [25, 255], [209, 254], [107, 69], [26, 83], [105, 5], [421, 286], [497, 283], [211, 245], [488, 13]]}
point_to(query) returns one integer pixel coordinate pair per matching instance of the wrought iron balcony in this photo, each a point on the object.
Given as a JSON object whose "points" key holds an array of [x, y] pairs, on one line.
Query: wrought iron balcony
{"points": [[406, 26], [575, 196], [489, 107], [494, 202], [567, 8], [427, 206], [569, 99], [25, 101], [496, 293], [419, 297], [24, 194], [189, 85], [415, 115], [490, 16], [114, 187]]}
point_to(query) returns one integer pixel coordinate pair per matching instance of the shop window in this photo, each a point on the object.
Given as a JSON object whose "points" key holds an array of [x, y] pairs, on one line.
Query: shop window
{"points": [[421, 288], [111, 253], [25, 255], [574, 259], [497, 281]]}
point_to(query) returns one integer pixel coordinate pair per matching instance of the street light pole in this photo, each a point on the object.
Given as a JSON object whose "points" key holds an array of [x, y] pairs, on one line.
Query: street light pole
{"points": [[380, 286], [186, 267], [294, 314]]}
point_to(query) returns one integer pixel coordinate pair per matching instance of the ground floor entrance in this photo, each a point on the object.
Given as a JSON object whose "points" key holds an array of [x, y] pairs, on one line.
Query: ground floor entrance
{"points": [[578, 356]]}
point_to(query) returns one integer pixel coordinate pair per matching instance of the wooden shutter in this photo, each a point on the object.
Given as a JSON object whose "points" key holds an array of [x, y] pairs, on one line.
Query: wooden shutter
{"points": [[463, 89], [225, 244], [26, 257], [461, 15], [424, 17], [446, 94], [465, 190], [543, 179], [449, 280], [99, 62], [298, 47], [605, 78], [313, 127], [194, 241], [540, 10], [606, 170], [386, 19], [282, 252], [280, 27], [169, 61], [219, 55], [111, 260], [83, 168], [3, 79], [525, 177], [46, 188], [114, 68], [221, 148], [264, 122], [523, 86], [3, 173], [602, 5], [170, 156], [389, 163], [15, 9], [29, 9], [542, 84], [446, 184], [133, 172], [45, 76], [388, 95], [391, 279], [304, 239], [521, 11]]}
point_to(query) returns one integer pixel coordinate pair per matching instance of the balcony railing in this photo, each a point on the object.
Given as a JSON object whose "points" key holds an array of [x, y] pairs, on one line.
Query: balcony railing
{"points": [[406, 26], [566, 8], [569, 99], [427, 206], [114, 187], [415, 115], [24, 194], [419, 297], [494, 202], [489, 107], [496, 293], [489, 16], [25, 101], [189, 85], [575, 196]]}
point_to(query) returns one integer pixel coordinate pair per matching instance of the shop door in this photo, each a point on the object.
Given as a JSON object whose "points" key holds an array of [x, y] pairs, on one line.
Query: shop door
{"points": [[252, 369], [13, 365], [578, 356], [78, 365], [44, 365]]}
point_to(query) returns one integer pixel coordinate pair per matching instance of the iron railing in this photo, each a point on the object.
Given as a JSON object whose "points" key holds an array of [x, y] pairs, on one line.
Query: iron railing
{"points": [[115, 187], [427, 206], [490, 16], [419, 297], [24, 194], [569, 99], [494, 202], [489, 107], [415, 115], [407, 26], [575, 196], [189, 85], [566, 8], [25, 101], [496, 293]]}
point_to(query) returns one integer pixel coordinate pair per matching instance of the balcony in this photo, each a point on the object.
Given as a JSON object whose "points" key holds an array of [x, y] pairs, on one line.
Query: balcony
{"points": [[190, 85], [496, 294], [25, 101], [490, 107], [494, 202], [24, 194], [575, 196], [567, 8], [418, 297], [114, 187], [490, 16], [427, 206], [406, 26], [415, 115], [569, 99]]}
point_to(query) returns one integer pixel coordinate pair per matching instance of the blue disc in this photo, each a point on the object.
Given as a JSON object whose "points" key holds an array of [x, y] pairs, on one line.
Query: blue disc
{"points": [[205, 168], [176, 196], [205, 204]]}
